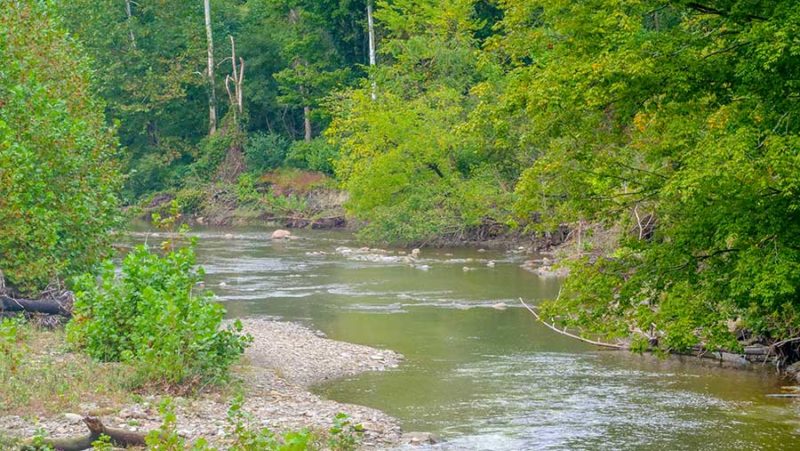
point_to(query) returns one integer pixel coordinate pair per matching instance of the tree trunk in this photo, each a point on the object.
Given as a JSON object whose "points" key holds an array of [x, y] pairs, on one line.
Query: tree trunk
{"points": [[307, 122], [47, 306], [235, 96], [372, 59], [212, 97], [130, 28]]}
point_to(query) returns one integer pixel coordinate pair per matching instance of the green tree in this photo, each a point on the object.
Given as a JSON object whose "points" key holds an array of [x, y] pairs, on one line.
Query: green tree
{"points": [[672, 122], [408, 160], [57, 181]]}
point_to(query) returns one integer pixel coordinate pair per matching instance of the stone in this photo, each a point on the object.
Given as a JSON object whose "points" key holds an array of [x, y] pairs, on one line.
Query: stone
{"points": [[281, 234], [228, 236], [415, 253], [490, 264], [419, 438]]}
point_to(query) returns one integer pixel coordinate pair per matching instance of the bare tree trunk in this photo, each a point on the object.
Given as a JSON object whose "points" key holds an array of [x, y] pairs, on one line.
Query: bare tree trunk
{"points": [[212, 96], [372, 60], [307, 122], [130, 27], [235, 95]]}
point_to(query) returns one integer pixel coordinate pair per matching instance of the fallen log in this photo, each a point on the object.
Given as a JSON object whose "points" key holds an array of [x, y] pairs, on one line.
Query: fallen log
{"points": [[47, 306], [119, 438]]}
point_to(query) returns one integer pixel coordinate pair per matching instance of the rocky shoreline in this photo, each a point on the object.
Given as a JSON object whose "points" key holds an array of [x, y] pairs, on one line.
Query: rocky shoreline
{"points": [[283, 362]]}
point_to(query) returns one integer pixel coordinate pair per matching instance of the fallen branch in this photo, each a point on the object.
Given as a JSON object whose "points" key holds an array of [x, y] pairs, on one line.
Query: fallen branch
{"points": [[119, 437], [48, 306], [564, 331], [783, 342]]}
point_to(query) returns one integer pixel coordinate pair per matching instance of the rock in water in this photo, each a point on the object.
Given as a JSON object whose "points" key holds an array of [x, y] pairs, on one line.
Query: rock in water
{"points": [[419, 438], [281, 234], [500, 306]]}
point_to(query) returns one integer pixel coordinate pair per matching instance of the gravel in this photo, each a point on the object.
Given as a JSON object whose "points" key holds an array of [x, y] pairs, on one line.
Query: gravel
{"points": [[284, 360]]}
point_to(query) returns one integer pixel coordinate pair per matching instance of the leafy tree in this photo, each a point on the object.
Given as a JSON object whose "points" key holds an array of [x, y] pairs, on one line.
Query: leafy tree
{"points": [[407, 159], [57, 181], [672, 121]]}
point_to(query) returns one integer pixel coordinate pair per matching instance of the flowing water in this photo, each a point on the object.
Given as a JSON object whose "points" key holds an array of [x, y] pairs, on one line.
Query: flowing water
{"points": [[479, 376]]}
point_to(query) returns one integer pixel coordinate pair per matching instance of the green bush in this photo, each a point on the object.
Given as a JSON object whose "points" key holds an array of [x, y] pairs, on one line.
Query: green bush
{"points": [[191, 200], [150, 317], [265, 151], [213, 150], [246, 189], [317, 155], [57, 179]]}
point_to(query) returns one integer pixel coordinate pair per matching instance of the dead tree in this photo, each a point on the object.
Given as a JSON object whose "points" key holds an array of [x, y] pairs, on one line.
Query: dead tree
{"points": [[236, 79]]}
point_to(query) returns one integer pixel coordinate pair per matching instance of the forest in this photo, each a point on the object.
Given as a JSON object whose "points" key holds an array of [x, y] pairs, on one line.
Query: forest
{"points": [[663, 135]]}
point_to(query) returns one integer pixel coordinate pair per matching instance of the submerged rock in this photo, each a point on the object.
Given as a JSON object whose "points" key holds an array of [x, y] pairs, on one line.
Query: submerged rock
{"points": [[281, 234], [419, 438]]}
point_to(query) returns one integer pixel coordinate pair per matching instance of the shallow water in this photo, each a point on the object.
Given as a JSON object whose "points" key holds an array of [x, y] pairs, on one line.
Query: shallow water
{"points": [[480, 377]]}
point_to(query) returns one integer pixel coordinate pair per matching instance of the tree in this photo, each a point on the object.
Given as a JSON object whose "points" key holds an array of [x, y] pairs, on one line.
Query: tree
{"points": [[212, 97], [407, 161], [669, 121], [57, 179]]}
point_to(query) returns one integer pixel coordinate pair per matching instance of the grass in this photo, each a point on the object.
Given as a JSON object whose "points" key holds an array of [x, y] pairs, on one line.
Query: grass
{"points": [[40, 376]]}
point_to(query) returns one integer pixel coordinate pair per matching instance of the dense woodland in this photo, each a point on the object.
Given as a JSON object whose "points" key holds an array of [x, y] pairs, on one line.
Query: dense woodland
{"points": [[671, 128]]}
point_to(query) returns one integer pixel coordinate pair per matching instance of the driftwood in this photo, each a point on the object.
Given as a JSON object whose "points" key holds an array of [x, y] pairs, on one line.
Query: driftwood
{"points": [[564, 331], [119, 437], [49, 306]]}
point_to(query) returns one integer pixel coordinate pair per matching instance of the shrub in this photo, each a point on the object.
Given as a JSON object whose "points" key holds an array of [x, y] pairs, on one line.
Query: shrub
{"points": [[150, 317], [57, 179], [191, 200], [317, 155], [246, 189], [265, 151]]}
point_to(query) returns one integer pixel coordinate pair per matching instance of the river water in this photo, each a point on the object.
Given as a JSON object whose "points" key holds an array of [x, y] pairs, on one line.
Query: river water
{"points": [[481, 377]]}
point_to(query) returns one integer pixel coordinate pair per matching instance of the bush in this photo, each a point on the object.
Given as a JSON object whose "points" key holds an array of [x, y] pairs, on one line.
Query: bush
{"points": [[150, 317], [265, 151], [57, 179], [317, 155], [191, 200]]}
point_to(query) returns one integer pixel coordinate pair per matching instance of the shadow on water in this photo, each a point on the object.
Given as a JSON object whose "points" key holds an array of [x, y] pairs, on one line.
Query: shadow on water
{"points": [[479, 371]]}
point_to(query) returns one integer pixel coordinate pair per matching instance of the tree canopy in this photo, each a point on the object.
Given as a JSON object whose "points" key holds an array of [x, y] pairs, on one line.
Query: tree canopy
{"points": [[57, 176]]}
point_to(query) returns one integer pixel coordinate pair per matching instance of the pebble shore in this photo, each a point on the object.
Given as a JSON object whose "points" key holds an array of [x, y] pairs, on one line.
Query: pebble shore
{"points": [[283, 362]]}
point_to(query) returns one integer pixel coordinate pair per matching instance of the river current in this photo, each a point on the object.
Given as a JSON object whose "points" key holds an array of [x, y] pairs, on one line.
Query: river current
{"points": [[479, 372]]}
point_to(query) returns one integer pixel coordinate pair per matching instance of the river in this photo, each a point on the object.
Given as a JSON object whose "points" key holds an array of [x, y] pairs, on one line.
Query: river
{"points": [[482, 377]]}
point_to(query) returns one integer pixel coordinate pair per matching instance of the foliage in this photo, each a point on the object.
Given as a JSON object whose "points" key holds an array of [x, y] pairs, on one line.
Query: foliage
{"points": [[265, 151], [57, 181], [150, 316], [316, 155], [12, 348], [344, 435], [672, 121], [191, 200], [407, 159]]}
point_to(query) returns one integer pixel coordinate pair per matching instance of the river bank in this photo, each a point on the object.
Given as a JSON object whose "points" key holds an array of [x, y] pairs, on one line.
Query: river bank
{"points": [[283, 362]]}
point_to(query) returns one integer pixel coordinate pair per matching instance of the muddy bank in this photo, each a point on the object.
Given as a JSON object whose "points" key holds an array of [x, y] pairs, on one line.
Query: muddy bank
{"points": [[284, 360]]}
